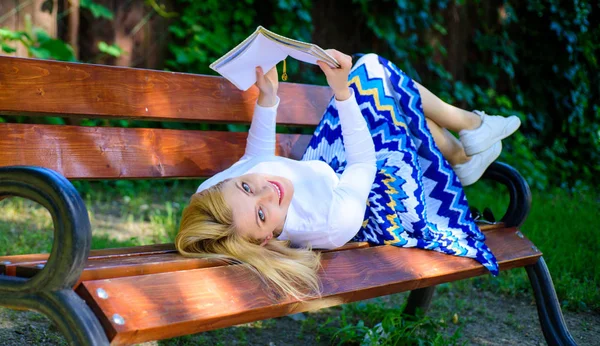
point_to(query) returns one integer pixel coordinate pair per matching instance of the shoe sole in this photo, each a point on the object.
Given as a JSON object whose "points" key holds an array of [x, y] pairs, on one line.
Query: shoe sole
{"points": [[508, 130], [473, 177]]}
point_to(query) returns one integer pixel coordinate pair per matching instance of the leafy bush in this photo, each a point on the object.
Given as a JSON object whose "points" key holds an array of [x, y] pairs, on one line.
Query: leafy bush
{"points": [[207, 29], [535, 59]]}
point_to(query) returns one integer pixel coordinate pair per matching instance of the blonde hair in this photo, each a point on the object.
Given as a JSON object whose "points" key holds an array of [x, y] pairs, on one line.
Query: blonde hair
{"points": [[207, 230]]}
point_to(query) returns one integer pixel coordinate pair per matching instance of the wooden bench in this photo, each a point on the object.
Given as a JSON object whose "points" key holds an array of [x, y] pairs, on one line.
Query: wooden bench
{"points": [[131, 295]]}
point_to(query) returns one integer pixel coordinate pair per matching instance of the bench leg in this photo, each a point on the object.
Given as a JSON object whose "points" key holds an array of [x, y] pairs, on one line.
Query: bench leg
{"points": [[419, 299], [551, 318], [50, 291], [67, 310]]}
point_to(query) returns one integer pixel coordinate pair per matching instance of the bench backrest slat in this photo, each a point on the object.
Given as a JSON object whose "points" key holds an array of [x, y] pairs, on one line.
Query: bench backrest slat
{"points": [[80, 152], [53, 88]]}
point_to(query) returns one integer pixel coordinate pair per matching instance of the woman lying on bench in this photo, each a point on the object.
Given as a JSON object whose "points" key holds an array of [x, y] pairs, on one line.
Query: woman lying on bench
{"points": [[381, 167]]}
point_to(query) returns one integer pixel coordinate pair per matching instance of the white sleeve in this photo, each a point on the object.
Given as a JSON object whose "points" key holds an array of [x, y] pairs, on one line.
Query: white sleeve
{"points": [[261, 135], [350, 196]]}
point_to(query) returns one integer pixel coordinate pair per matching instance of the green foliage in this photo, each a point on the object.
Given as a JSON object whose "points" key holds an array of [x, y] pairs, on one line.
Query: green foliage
{"points": [[37, 41], [374, 323], [97, 10], [562, 225], [41, 45], [535, 59], [208, 29], [112, 49]]}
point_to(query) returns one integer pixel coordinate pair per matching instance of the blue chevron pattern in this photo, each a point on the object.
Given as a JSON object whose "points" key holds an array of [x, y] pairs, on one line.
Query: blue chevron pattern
{"points": [[416, 199]]}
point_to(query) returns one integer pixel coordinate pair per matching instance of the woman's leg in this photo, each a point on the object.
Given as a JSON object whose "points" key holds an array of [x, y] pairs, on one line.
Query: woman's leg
{"points": [[446, 115], [441, 116], [450, 147]]}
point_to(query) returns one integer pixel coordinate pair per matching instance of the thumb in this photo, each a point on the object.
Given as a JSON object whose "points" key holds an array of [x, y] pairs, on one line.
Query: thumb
{"points": [[259, 73]]}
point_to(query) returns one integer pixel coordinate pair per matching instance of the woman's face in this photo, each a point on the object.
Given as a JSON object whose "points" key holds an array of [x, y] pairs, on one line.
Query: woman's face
{"points": [[259, 203]]}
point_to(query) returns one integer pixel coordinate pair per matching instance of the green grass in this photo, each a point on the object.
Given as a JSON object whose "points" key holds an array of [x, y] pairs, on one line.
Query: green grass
{"points": [[375, 322], [564, 227]]}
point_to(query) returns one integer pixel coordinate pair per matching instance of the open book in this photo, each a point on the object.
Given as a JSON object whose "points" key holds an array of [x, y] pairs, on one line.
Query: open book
{"points": [[265, 48]]}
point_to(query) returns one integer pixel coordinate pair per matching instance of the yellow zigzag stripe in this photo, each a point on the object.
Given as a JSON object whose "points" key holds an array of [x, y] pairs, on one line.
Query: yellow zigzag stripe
{"points": [[375, 93], [392, 204]]}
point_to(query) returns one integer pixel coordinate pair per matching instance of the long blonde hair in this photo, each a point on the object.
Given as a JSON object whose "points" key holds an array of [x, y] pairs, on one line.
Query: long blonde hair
{"points": [[207, 230]]}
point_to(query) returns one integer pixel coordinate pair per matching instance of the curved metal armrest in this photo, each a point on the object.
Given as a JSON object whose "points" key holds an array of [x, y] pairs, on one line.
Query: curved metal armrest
{"points": [[520, 194], [72, 230]]}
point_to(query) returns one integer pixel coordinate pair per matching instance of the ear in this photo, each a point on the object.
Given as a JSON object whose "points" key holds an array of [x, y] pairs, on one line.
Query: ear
{"points": [[266, 241]]}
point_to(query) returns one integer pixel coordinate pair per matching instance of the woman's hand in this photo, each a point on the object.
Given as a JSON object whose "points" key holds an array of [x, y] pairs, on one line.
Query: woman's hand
{"points": [[267, 84], [337, 78]]}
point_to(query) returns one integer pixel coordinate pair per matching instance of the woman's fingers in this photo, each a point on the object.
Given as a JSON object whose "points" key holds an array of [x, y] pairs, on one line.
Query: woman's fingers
{"points": [[259, 77], [337, 78], [324, 67], [345, 60], [267, 83]]}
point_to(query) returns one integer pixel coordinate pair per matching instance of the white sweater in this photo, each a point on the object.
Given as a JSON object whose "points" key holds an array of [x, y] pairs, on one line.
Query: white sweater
{"points": [[326, 210]]}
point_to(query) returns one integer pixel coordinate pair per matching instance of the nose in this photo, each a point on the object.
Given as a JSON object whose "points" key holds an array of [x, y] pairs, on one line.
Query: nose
{"points": [[267, 193]]}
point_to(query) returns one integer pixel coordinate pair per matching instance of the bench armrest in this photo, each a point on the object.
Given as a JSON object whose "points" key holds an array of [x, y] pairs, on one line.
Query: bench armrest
{"points": [[72, 229], [520, 194]]}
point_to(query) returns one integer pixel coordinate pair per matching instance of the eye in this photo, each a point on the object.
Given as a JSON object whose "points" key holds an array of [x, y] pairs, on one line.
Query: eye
{"points": [[246, 187], [261, 215]]}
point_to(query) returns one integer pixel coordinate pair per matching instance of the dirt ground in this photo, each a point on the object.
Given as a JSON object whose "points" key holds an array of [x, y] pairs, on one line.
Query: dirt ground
{"points": [[484, 319]]}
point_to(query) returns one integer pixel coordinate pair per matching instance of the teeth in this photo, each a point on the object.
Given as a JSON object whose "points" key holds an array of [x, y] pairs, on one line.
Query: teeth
{"points": [[278, 191]]}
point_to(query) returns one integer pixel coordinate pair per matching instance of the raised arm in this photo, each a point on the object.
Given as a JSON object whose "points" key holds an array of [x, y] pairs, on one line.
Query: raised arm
{"points": [[350, 196], [261, 136]]}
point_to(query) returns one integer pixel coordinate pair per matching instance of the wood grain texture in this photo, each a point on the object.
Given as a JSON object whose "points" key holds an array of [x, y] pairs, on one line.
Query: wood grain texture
{"points": [[140, 263], [130, 261], [79, 152], [176, 303], [53, 88], [8, 264]]}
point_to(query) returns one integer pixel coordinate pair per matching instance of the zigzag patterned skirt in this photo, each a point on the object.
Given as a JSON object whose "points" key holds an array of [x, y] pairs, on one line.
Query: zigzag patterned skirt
{"points": [[416, 199]]}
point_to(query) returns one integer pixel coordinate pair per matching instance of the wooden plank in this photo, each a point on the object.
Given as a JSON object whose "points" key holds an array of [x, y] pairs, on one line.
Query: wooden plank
{"points": [[106, 259], [80, 152], [106, 267], [489, 227], [8, 264], [177, 303], [147, 259], [98, 91], [113, 267]]}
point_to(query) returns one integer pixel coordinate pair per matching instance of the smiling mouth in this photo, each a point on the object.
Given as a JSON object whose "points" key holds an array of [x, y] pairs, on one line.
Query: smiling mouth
{"points": [[279, 190]]}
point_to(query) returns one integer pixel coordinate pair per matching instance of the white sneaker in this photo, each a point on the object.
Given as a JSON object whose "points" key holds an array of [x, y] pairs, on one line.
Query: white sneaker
{"points": [[493, 129], [470, 171]]}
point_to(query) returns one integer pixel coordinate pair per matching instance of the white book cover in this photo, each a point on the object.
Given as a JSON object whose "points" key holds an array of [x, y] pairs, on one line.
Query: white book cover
{"points": [[265, 49]]}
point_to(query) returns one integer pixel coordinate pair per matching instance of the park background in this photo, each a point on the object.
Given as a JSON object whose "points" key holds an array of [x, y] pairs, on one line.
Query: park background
{"points": [[536, 59]]}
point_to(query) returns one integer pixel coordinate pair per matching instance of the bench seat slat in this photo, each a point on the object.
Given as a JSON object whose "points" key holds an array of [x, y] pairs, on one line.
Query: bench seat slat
{"points": [[8, 264], [177, 303], [80, 152], [95, 91], [140, 260], [146, 263]]}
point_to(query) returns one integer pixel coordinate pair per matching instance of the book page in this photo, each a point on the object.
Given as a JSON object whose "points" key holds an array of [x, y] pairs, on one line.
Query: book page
{"points": [[260, 52], [302, 51], [235, 51]]}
